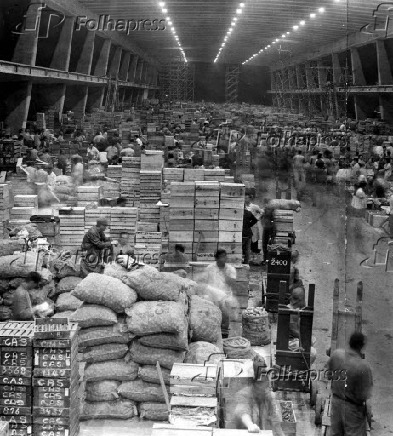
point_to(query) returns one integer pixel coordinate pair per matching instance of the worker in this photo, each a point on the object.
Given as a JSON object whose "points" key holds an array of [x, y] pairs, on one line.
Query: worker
{"points": [[350, 406], [51, 182], [77, 170], [299, 174], [22, 309], [94, 243], [138, 140], [92, 152], [99, 140], [256, 405], [249, 221], [46, 157], [257, 227], [112, 154], [222, 277], [178, 256]]}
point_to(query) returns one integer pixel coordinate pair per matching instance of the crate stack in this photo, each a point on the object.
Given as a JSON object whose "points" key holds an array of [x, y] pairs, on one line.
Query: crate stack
{"points": [[194, 397], [20, 216], [16, 351], [72, 228], [92, 215], [240, 292], [26, 201], [151, 185], [194, 175], [283, 225], [215, 175], [130, 180], [182, 215], [114, 172], [56, 378], [173, 174], [5, 204], [148, 247], [123, 220], [206, 229], [87, 195], [231, 220]]}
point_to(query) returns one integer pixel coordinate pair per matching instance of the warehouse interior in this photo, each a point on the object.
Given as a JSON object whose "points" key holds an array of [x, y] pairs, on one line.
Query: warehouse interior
{"points": [[196, 202]]}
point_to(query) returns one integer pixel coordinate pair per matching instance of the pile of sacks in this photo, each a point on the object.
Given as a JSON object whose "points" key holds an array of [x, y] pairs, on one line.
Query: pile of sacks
{"points": [[129, 321], [13, 271]]}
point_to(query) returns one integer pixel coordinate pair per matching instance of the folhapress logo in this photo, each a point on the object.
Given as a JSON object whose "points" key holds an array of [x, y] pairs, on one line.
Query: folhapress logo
{"points": [[105, 23]]}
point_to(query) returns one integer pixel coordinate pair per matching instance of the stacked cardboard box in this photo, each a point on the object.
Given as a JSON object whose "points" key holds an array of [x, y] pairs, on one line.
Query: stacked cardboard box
{"points": [[130, 180], [87, 195], [148, 247], [231, 220], [72, 228], [181, 215], [206, 234]]}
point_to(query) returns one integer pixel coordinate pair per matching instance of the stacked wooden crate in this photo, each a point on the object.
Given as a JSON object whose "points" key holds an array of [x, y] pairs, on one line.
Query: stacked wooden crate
{"points": [[87, 195], [26, 201], [216, 175], [231, 220], [72, 228], [206, 234], [173, 174], [149, 213], [16, 345], [56, 378], [148, 247], [92, 215], [21, 215], [114, 172], [130, 180], [194, 175], [194, 398], [5, 204], [151, 185], [152, 160], [181, 215], [240, 292], [278, 270], [124, 221]]}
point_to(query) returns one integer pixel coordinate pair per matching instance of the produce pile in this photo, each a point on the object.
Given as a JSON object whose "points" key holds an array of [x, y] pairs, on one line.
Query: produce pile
{"points": [[129, 321]]}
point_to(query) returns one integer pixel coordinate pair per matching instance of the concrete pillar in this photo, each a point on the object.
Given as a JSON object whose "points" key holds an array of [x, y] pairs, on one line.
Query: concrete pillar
{"points": [[55, 95], [86, 56], [18, 102], [125, 64], [386, 108], [62, 51], [79, 103], [299, 78], [139, 69], [25, 51], [102, 63], [384, 71], [302, 106], [145, 94], [115, 65], [132, 68], [357, 69], [292, 78], [360, 111], [95, 98], [322, 74], [309, 77], [336, 68]]}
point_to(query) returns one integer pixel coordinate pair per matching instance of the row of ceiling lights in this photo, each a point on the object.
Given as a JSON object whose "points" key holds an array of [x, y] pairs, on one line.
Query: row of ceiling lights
{"points": [[168, 20], [230, 30], [296, 27]]}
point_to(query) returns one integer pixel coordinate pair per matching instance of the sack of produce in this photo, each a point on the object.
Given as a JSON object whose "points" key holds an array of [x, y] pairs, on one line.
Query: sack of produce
{"points": [[102, 353], [150, 356], [94, 316], [281, 203], [256, 326], [169, 341], [64, 265], [93, 336], [205, 320], [4, 286], [149, 373], [67, 284], [105, 290], [9, 246], [152, 285], [116, 271], [16, 282], [17, 266], [153, 411], [149, 317], [67, 314], [5, 313], [105, 390], [119, 370], [67, 302], [240, 348], [203, 352], [117, 409], [141, 391]]}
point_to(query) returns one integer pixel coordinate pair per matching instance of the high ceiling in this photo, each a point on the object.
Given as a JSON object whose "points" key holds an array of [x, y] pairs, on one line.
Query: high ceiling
{"points": [[202, 26]]}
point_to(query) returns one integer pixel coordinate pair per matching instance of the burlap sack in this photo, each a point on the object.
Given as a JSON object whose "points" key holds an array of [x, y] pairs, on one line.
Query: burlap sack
{"points": [[116, 271], [67, 314], [94, 316], [94, 336], [67, 302], [113, 370], [153, 411], [67, 284], [4, 286], [103, 353], [148, 373], [118, 409], [141, 391], [150, 356], [201, 352], [5, 313], [205, 320], [150, 317], [19, 265], [105, 390], [106, 291], [169, 341]]}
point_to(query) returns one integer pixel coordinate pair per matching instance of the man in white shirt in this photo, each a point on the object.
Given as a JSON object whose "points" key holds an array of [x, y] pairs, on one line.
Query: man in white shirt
{"points": [[222, 277], [138, 140]]}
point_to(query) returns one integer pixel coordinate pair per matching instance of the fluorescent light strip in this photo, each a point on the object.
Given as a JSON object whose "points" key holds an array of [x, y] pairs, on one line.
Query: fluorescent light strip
{"points": [[169, 20], [296, 27], [233, 24]]}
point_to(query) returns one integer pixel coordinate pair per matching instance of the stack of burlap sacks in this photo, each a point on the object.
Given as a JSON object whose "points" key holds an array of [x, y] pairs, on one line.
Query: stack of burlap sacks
{"points": [[129, 321]]}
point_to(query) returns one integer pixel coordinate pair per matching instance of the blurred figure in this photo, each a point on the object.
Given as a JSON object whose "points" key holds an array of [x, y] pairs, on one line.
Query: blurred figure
{"points": [[22, 309], [92, 152]]}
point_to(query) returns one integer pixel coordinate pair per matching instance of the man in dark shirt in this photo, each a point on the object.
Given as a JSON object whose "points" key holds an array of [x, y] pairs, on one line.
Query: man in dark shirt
{"points": [[21, 307], [248, 221], [352, 384], [94, 242]]}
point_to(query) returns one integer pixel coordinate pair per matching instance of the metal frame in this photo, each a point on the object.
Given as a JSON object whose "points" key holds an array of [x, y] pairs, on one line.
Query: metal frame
{"points": [[177, 81], [232, 73]]}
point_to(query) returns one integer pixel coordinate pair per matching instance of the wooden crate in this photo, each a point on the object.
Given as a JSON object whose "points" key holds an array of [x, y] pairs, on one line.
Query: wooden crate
{"points": [[206, 236], [193, 379], [26, 201], [206, 225], [235, 237], [235, 214], [207, 202], [230, 226], [232, 190], [207, 214]]}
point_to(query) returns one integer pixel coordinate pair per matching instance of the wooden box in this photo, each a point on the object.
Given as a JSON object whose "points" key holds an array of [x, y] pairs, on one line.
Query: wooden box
{"points": [[181, 213], [231, 203], [206, 236], [230, 226], [181, 225], [231, 190], [207, 202], [206, 225], [207, 214], [186, 202], [230, 237], [175, 236], [232, 214]]}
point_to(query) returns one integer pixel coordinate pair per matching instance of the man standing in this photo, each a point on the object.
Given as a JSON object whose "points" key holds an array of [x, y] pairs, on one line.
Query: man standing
{"points": [[92, 152], [299, 174], [21, 307], [112, 154], [249, 221], [352, 384], [94, 243]]}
